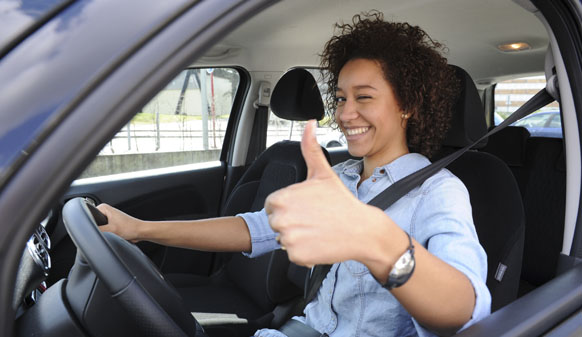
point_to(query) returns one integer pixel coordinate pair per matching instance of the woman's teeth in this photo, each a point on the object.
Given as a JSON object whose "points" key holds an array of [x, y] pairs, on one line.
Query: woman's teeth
{"points": [[356, 131]]}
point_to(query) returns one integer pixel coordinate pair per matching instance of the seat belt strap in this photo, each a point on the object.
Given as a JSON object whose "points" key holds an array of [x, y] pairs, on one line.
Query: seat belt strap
{"points": [[313, 281], [400, 188], [259, 133], [294, 328]]}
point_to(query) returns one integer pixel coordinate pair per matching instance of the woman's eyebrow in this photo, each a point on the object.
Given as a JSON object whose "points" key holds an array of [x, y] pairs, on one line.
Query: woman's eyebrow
{"points": [[357, 87]]}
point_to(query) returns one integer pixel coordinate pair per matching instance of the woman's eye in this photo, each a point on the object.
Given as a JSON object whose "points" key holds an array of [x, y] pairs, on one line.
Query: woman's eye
{"points": [[361, 97], [339, 99]]}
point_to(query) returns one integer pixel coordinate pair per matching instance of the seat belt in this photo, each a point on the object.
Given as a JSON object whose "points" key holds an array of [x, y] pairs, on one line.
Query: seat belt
{"points": [[294, 328], [258, 141], [400, 188], [258, 134]]}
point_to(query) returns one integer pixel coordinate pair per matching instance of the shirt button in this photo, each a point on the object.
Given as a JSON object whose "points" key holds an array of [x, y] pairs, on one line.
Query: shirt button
{"points": [[374, 180], [382, 171]]}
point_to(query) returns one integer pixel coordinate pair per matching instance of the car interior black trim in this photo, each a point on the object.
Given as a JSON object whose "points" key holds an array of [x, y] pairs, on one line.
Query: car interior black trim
{"points": [[50, 317]]}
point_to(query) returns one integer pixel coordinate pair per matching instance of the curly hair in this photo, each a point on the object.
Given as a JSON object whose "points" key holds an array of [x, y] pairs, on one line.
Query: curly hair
{"points": [[424, 85]]}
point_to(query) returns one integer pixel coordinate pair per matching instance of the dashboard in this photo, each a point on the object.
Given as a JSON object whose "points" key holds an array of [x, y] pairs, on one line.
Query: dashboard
{"points": [[35, 266]]}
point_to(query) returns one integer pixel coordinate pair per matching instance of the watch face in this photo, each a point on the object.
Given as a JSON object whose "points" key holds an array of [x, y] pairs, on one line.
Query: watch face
{"points": [[403, 267]]}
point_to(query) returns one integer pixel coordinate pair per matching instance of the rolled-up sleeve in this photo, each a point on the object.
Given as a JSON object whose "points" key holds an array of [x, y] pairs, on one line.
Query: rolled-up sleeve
{"points": [[448, 232], [262, 235]]}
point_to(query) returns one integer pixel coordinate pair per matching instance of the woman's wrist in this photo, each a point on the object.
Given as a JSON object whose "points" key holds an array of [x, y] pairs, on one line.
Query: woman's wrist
{"points": [[384, 243], [142, 230]]}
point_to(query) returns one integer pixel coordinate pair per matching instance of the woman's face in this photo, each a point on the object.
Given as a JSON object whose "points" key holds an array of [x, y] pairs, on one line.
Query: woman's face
{"points": [[368, 113]]}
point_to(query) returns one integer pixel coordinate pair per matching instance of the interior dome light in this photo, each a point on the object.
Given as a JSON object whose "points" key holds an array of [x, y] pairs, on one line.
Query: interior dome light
{"points": [[513, 47]]}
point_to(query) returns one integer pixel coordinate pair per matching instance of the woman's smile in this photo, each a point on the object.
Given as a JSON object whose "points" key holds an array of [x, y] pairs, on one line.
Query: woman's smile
{"points": [[357, 131]]}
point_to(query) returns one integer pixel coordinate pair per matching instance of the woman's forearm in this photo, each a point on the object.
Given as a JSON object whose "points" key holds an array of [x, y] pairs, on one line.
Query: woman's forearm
{"points": [[217, 234], [227, 234], [439, 296]]}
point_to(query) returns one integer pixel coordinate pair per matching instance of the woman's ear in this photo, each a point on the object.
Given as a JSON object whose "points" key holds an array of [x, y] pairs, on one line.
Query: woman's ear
{"points": [[404, 116]]}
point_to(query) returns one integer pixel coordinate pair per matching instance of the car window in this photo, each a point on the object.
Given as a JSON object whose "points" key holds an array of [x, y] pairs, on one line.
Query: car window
{"points": [[511, 94], [185, 123], [328, 136]]}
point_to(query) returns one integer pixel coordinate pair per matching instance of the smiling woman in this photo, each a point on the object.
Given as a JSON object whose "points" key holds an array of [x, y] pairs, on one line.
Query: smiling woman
{"points": [[374, 108], [421, 83], [73, 74]]}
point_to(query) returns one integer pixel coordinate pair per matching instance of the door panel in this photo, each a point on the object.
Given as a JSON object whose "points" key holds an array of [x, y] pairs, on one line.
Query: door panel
{"points": [[191, 194]]}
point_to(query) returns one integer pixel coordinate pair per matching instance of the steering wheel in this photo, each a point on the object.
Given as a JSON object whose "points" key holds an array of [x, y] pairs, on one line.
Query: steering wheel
{"points": [[128, 280]]}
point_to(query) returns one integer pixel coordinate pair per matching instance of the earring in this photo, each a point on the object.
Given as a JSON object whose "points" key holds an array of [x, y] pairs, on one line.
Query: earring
{"points": [[404, 116]]}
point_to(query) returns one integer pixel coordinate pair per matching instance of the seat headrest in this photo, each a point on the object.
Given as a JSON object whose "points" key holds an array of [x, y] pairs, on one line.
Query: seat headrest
{"points": [[468, 120], [296, 97]]}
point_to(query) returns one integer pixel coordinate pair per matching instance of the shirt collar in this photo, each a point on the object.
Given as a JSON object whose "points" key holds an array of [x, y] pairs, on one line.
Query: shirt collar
{"points": [[395, 170]]}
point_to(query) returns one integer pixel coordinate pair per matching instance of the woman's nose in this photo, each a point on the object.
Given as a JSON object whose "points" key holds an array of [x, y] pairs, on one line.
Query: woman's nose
{"points": [[347, 111]]}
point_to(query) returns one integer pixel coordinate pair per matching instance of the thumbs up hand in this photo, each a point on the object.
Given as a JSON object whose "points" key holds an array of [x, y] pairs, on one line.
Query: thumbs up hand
{"points": [[319, 220]]}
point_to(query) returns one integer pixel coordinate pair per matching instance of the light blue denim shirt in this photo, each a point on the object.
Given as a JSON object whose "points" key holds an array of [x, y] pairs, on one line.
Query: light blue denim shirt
{"points": [[350, 301]]}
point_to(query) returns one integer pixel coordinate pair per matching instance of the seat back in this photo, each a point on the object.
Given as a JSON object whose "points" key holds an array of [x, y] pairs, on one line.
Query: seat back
{"points": [[544, 199], [280, 165], [495, 198], [509, 145], [264, 279]]}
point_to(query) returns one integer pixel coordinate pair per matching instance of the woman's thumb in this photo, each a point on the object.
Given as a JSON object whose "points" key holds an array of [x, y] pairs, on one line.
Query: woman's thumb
{"points": [[317, 164]]}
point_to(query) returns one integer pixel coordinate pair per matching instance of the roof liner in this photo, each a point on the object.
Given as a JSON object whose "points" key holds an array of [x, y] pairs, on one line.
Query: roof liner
{"points": [[292, 33]]}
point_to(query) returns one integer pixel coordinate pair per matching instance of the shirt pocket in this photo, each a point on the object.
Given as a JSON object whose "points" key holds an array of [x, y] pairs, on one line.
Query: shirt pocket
{"points": [[356, 268]]}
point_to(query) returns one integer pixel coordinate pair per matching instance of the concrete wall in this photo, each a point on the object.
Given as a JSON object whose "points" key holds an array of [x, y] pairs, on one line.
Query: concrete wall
{"points": [[113, 164]]}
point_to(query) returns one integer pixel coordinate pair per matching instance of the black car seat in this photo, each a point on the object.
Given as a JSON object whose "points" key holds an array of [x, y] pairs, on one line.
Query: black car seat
{"points": [[544, 200], [495, 197], [540, 169], [509, 145], [246, 294]]}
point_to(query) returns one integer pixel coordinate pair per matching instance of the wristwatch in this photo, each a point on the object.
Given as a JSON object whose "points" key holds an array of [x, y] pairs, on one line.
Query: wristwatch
{"points": [[402, 269]]}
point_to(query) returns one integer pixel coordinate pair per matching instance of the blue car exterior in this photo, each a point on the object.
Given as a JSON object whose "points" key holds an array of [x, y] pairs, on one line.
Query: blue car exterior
{"points": [[543, 124]]}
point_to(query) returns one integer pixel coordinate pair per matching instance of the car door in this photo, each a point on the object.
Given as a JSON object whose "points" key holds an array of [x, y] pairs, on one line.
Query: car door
{"points": [[167, 163]]}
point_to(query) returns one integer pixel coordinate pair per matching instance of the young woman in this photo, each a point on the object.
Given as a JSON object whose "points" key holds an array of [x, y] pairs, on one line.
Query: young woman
{"points": [[393, 93]]}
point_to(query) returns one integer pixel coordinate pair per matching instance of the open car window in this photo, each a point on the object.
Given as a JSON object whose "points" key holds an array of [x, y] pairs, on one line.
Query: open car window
{"points": [[184, 123], [511, 94]]}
